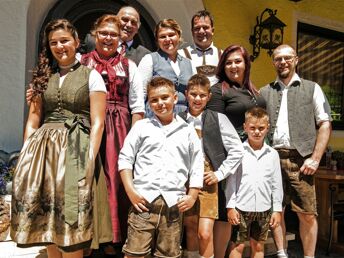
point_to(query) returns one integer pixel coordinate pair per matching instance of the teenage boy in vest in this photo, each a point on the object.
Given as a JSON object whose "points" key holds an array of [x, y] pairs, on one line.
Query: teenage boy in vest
{"points": [[203, 54], [294, 106], [160, 154], [222, 151], [255, 191]]}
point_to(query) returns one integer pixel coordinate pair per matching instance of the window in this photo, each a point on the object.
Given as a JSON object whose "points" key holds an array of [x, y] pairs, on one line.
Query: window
{"points": [[321, 59]]}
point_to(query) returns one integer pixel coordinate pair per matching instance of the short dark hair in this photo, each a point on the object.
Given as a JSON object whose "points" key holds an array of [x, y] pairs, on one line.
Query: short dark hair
{"points": [[202, 13], [198, 80], [157, 82], [256, 112]]}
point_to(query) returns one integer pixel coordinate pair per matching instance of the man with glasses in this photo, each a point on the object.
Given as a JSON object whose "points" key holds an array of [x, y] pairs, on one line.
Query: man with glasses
{"points": [[203, 54], [294, 106], [130, 24]]}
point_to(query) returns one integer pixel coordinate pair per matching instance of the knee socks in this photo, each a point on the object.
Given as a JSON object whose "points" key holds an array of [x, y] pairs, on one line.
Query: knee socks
{"points": [[282, 253]]}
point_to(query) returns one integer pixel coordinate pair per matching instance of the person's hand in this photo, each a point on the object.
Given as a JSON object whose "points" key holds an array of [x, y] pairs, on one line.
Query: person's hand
{"points": [[185, 203], [275, 220], [137, 201], [309, 167], [233, 216], [210, 178], [30, 93]]}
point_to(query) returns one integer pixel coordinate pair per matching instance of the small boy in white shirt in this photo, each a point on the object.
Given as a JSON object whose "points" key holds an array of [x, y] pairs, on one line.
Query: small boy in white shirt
{"points": [[255, 192], [159, 155]]}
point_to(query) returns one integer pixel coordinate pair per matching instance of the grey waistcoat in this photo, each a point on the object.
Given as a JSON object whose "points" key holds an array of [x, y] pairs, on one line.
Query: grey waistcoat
{"points": [[136, 53], [301, 117], [163, 68]]}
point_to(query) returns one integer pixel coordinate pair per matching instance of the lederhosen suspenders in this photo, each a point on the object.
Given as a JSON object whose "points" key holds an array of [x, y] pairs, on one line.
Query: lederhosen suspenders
{"points": [[207, 70]]}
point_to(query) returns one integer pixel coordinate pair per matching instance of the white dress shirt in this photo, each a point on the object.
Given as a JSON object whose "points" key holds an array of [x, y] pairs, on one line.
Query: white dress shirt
{"points": [[163, 158], [322, 111], [211, 58], [257, 185], [231, 143]]}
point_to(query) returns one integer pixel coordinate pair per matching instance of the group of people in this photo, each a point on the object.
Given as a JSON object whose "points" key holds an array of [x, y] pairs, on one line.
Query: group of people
{"points": [[127, 147]]}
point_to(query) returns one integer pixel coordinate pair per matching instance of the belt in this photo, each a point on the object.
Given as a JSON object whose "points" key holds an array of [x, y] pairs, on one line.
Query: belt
{"points": [[255, 215]]}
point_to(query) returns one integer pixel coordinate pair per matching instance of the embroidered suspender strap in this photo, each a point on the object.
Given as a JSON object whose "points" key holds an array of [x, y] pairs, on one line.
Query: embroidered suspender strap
{"points": [[187, 53], [76, 163], [219, 52]]}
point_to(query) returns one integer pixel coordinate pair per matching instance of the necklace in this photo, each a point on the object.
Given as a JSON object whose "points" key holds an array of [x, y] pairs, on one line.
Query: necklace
{"points": [[67, 67]]}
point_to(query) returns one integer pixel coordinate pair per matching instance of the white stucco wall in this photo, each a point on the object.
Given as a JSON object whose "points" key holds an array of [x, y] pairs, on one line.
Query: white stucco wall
{"points": [[13, 15], [21, 21], [180, 10]]}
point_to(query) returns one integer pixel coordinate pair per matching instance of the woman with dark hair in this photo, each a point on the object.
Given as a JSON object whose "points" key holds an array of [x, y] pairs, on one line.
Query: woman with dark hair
{"points": [[167, 62], [233, 95], [57, 192]]}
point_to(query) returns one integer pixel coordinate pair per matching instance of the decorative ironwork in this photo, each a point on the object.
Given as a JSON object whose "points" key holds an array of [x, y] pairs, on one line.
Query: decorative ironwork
{"points": [[267, 34]]}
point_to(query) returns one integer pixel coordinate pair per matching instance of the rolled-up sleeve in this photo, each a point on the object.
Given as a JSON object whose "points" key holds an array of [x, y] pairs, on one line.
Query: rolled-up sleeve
{"points": [[322, 109], [129, 150]]}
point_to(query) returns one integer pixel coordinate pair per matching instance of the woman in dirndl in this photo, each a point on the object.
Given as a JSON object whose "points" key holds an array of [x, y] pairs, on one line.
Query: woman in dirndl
{"points": [[59, 193]]}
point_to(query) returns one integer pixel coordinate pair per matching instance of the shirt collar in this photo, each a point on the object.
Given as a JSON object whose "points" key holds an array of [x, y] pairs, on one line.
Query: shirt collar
{"points": [[195, 121], [177, 123], [262, 151], [210, 48], [129, 43], [293, 80], [165, 56], [189, 116]]}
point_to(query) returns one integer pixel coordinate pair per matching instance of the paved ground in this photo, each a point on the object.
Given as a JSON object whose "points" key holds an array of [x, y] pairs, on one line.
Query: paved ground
{"points": [[9, 250]]}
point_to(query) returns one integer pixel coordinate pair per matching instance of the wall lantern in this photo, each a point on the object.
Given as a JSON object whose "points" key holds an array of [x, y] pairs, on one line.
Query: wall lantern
{"points": [[267, 34]]}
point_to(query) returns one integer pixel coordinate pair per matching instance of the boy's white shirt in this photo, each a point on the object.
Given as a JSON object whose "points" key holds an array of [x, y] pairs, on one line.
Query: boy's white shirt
{"points": [[163, 158], [257, 185]]}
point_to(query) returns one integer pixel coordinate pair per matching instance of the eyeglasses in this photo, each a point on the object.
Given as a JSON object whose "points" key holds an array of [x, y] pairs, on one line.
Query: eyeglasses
{"points": [[287, 59], [105, 34]]}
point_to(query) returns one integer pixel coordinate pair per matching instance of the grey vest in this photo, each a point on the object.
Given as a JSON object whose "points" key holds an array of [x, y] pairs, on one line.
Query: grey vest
{"points": [[301, 117], [136, 53], [163, 68], [211, 136]]}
